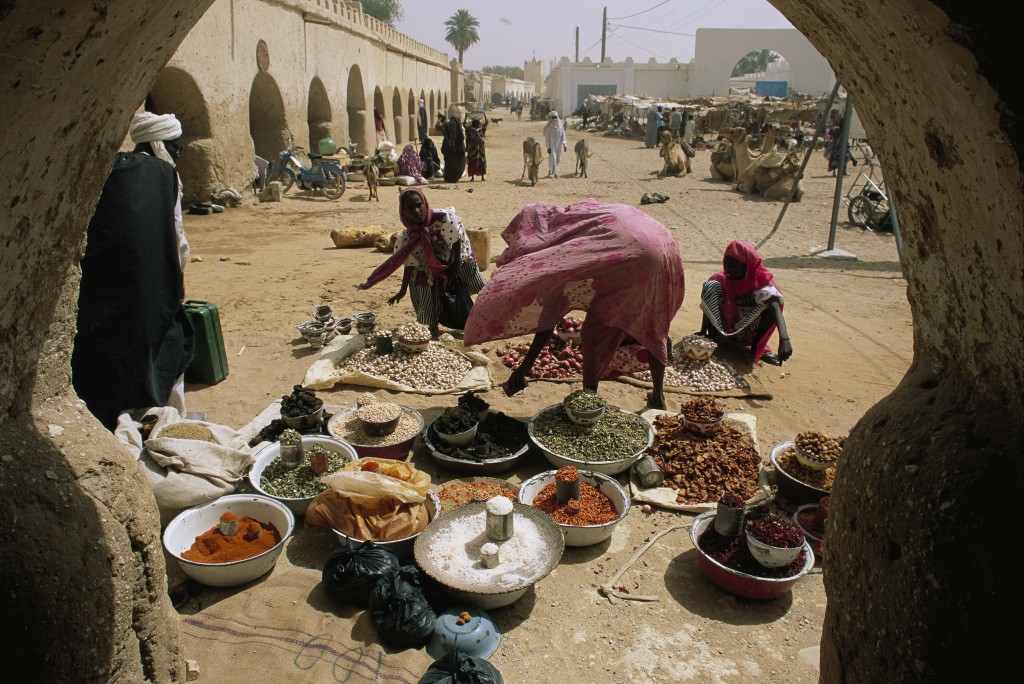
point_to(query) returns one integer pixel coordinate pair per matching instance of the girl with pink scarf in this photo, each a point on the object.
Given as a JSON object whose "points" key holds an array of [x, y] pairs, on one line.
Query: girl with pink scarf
{"points": [[435, 249], [613, 261], [742, 305]]}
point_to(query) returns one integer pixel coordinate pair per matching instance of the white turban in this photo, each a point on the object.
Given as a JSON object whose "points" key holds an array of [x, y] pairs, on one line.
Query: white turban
{"points": [[154, 129], [553, 114], [421, 103]]}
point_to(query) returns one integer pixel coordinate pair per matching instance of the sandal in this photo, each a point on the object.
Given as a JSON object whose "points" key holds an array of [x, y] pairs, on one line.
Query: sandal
{"points": [[770, 357]]}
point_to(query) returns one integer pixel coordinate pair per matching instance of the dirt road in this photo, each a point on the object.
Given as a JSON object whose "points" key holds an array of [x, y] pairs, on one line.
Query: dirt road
{"points": [[267, 265]]}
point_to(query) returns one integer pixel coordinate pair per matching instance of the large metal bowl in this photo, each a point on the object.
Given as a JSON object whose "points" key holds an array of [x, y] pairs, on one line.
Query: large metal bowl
{"points": [[488, 466], [399, 450], [181, 533], [461, 587], [607, 467], [266, 455], [583, 535], [793, 489], [740, 583]]}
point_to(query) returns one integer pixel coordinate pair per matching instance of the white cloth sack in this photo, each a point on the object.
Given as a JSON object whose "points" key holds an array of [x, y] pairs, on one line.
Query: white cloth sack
{"points": [[186, 472]]}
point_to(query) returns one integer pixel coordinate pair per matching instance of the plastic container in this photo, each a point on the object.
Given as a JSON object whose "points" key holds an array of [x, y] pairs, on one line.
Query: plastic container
{"points": [[210, 362], [327, 146]]}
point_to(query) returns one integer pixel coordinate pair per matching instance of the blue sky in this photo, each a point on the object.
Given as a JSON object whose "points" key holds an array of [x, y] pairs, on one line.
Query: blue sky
{"points": [[514, 31]]}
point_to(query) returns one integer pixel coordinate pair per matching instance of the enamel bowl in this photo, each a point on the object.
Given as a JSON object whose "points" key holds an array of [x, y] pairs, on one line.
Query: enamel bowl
{"points": [[604, 466], [181, 533], [583, 535], [268, 454]]}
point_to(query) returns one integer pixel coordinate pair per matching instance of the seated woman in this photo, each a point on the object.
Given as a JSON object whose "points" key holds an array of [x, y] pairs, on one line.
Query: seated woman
{"points": [[742, 305], [410, 164]]}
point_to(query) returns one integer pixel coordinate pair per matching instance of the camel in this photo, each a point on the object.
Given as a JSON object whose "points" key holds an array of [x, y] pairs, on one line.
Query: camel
{"points": [[676, 161], [774, 174], [732, 157]]}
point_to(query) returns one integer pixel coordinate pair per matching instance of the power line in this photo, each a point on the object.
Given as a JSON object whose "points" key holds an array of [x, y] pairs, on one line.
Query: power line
{"points": [[639, 47], [640, 28], [641, 12]]}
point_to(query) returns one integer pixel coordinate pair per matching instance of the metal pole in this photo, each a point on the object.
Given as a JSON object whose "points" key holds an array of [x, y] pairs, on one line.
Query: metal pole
{"points": [[604, 32], [800, 174], [840, 173], [577, 44]]}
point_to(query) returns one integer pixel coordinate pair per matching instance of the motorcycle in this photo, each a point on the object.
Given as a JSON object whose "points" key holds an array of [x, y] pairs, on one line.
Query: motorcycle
{"points": [[325, 177]]}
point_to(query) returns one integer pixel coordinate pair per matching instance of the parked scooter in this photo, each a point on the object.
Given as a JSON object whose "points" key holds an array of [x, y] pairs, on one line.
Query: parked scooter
{"points": [[325, 177]]}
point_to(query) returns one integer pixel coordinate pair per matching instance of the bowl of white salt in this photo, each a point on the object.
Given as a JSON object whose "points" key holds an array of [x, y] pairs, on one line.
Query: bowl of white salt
{"points": [[451, 551]]}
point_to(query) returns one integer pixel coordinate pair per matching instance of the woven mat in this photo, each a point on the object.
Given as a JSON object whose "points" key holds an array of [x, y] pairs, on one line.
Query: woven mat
{"points": [[287, 629]]}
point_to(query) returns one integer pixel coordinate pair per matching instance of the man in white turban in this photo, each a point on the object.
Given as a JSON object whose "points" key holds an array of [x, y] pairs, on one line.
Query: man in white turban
{"points": [[421, 121], [157, 135], [554, 136], [134, 340]]}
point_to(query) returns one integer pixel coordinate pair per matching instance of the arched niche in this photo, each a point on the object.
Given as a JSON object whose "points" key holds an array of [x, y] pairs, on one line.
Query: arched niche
{"points": [[398, 124], [318, 114], [267, 124], [176, 92], [360, 122], [411, 114]]}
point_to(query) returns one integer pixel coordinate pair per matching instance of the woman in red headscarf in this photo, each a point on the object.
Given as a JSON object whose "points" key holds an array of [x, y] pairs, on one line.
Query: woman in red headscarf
{"points": [[434, 249], [742, 305]]}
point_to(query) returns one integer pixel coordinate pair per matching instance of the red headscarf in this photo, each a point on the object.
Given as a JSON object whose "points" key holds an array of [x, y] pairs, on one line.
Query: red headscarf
{"points": [[419, 234], [756, 277]]}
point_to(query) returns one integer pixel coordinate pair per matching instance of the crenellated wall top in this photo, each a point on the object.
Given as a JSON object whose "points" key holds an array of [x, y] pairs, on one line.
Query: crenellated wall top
{"points": [[348, 15]]}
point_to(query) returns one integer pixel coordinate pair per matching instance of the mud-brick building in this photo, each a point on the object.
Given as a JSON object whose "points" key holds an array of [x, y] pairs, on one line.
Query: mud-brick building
{"points": [[252, 73]]}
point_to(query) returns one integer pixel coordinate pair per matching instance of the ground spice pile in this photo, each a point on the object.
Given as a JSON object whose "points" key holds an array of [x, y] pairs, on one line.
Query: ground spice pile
{"points": [[458, 494], [252, 539], [703, 469], [593, 507]]}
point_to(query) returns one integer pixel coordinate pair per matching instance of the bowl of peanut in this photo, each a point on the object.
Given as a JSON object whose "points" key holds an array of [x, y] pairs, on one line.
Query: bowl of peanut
{"points": [[817, 451]]}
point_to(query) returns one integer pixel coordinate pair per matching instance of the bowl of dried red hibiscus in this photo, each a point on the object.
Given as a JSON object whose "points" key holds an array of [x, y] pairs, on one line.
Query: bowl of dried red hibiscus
{"points": [[728, 563], [231, 540], [587, 505], [773, 541]]}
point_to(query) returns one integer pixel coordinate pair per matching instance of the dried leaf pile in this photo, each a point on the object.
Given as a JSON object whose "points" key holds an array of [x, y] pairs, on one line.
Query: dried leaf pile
{"points": [[702, 469]]}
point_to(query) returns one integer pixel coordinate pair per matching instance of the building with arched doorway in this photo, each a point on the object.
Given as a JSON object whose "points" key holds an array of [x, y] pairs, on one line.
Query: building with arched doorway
{"points": [[251, 76], [706, 75]]}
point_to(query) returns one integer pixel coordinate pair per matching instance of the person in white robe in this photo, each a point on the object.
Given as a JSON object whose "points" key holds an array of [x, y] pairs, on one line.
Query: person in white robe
{"points": [[554, 136]]}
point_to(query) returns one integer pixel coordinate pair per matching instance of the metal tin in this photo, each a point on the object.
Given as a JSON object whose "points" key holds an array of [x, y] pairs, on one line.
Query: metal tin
{"points": [[499, 526], [291, 455], [648, 473], [729, 521]]}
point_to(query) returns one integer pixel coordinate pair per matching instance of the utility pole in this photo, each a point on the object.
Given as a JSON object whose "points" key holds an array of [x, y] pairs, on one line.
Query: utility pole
{"points": [[577, 44], [604, 31]]}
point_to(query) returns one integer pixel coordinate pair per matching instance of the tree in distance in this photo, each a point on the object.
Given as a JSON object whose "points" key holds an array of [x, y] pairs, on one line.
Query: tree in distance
{"points": [[461, 31]]}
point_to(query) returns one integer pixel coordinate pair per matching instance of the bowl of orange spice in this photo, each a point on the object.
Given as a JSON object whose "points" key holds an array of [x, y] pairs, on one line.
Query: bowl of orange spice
{"points": [[231, 540], [590, 519]]}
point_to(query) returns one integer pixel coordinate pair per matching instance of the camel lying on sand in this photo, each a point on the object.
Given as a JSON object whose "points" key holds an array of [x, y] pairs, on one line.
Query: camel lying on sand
{"points": [[676, 161]]}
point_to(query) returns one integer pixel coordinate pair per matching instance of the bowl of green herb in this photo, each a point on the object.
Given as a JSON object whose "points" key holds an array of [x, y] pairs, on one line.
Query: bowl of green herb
{"points": [[610, 446], [297, 486]]}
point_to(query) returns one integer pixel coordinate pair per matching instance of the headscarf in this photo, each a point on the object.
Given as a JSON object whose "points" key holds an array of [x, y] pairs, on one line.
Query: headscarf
{"points": [[756, 277], [553, 121], [409, 164], [151, 128], [419, 234]]}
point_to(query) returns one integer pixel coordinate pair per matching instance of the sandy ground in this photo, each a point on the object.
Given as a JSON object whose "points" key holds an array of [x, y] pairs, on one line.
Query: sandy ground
{"points": [[267, 265]]}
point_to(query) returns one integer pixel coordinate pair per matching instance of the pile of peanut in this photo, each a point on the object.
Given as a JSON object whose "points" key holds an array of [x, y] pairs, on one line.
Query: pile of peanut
{"points": [[818, 447]]}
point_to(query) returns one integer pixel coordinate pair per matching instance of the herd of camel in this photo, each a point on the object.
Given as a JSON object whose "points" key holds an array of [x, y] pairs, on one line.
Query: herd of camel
{"points": [[768, 172]]}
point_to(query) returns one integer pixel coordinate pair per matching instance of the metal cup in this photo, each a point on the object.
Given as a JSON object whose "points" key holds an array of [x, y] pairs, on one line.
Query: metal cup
{"points": [[648, 472], [291, 455], [499, 527], [729, 520]]}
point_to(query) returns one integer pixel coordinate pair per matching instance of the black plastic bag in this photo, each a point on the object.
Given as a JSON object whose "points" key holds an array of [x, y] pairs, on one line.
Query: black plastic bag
{"points": [[351, 573], [455, 305], [459, 668], [400, 611]]}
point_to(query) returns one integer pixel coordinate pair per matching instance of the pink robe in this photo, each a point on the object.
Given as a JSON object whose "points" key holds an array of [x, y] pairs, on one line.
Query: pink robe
{"points": [[611, 260]]}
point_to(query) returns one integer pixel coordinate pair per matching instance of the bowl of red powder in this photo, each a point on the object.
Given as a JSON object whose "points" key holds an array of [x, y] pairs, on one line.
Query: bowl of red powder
{"points": [[246, 546], [602, 505]]}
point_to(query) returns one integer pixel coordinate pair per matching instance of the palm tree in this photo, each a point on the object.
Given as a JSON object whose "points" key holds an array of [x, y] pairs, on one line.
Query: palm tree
{"points": [[462, 31]]}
